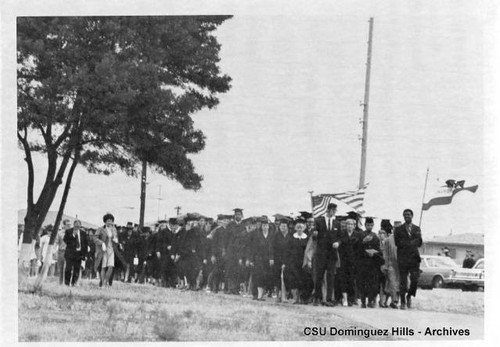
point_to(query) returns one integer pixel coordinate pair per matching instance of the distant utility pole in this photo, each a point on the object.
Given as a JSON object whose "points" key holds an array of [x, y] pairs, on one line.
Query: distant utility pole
{"points": [[364, 139], [143, 194], [159, 198], [178, 208]]}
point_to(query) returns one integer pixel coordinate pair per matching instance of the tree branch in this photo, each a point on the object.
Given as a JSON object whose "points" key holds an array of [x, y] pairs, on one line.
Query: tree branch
{"points": [[29, 162]]}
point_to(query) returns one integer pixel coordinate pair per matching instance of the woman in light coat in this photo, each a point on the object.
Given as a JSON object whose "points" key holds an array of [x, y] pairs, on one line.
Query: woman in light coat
{"points": [[104, 253]]}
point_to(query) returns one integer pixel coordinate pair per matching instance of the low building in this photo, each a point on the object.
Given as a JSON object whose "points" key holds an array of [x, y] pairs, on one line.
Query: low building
{"points": [[457, 246]]}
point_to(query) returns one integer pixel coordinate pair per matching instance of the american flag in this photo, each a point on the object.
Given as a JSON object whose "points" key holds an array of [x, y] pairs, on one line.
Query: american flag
{"points": [[353, 198]]}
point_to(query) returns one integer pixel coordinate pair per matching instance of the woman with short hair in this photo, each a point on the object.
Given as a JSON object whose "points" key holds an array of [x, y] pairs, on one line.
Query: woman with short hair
{"points": [[104, 253], [261, 257]]}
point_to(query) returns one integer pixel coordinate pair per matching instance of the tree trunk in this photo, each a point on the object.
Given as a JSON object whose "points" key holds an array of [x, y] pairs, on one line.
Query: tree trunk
{"points": [[46, 265]]}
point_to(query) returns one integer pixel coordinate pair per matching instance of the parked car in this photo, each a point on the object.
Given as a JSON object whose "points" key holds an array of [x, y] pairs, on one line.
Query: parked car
{"points": [[436, 271], [469, 279]]}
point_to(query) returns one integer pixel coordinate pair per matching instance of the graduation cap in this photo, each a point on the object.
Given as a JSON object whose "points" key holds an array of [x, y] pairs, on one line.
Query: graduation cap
{"points": [[264, 220], [249, 220], [284, 219], [221, 217], [369, 220], [228, 216], [129, 224], [172, 221], [162, 221], [306, 215], [238, 210], [352, 215], [146, 229]]}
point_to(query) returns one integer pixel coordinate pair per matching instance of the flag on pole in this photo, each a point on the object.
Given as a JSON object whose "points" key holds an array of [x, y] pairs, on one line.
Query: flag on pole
{"points": [[444, 194], [353, 198]]}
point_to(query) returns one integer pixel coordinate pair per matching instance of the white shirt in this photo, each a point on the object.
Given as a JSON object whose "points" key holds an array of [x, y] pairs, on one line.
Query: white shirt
{"points": [[329, 222], [79, 240]]}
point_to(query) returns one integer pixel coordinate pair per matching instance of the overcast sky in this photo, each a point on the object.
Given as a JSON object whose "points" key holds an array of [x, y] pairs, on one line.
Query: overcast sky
{"points": [[290, 122]]}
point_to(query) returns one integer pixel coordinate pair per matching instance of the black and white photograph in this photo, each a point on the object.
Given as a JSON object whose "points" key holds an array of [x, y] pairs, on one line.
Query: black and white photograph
{"points": [[270, 171]]}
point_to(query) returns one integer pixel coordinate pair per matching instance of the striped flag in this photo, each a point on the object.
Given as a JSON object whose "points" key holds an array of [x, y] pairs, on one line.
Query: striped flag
{"points": [[444, 195], [353, 198]]}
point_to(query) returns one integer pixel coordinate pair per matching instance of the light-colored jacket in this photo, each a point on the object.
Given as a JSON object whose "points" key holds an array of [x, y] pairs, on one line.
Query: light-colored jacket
{"points": [[101, 237]]}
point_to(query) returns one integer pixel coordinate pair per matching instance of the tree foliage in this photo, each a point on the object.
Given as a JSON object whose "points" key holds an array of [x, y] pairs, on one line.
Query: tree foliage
{"points": [[112, 92]]}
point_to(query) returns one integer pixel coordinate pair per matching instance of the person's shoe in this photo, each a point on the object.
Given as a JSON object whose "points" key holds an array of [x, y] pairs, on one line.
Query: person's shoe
{"points": [[393, 305], [345, 303], [402, 307], [363, 305], [316, 302], [371, 304], [408, 301], [329, 304]]}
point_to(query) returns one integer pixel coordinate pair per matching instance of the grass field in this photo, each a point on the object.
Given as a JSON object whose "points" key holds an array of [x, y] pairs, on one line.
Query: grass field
{"points": [[130, 312]]}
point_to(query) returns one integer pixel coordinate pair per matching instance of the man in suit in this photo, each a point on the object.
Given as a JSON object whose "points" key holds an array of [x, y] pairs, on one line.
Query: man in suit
{"points": [[408, 237], [76, 251], [328, 235]]}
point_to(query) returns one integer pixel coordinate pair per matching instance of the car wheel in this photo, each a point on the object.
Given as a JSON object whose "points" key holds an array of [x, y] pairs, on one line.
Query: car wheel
{"points": [[437, 282]]}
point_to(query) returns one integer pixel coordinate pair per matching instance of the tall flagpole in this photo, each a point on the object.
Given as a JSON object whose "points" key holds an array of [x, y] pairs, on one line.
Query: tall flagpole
{"points": [[364, 139], [423, 198]]}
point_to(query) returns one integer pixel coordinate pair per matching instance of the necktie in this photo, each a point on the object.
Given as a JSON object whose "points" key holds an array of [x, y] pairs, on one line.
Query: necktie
{"points": [[329, 225]]}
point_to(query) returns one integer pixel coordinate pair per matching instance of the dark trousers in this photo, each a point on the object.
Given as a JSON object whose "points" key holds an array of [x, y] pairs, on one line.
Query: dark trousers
{"points": [[324, 263], [72, 270], [414, 271], [217, 275]]}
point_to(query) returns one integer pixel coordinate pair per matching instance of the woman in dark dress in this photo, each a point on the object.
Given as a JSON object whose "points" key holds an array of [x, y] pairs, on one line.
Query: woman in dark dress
{"points": [[369, 261], [300, 281], [281, 244], [261, 257]]}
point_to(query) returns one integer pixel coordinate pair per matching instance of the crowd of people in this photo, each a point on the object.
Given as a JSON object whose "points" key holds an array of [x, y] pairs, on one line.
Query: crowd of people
{"points": [[329, 260]]}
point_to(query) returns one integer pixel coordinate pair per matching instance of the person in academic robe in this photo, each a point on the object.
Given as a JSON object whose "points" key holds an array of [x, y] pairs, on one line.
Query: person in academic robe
{"points": [[281, 244], [190, 253], [300, 281], [369, 260], [76, 251], [217, 254], [163, 246], [128, 251], [347, 270], [260, 258], [234, 252]]}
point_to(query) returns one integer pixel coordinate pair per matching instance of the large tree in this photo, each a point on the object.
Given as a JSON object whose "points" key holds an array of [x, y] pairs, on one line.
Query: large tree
{"points": [[109, 93]]}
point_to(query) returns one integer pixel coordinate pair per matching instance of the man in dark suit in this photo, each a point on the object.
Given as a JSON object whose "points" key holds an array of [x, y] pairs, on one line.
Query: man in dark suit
{"points": [[76, 250], [408, 237], [328, 235]]}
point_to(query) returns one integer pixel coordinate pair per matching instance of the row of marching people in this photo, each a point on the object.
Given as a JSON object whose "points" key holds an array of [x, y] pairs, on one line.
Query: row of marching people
{"points": [[326, 260]]}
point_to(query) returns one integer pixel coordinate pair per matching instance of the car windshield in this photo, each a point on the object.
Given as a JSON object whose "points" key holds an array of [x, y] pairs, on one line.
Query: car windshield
{"points": [[441, 262], [479, 265]]}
